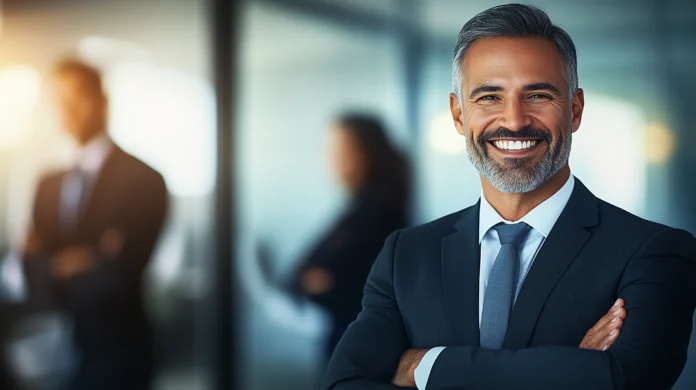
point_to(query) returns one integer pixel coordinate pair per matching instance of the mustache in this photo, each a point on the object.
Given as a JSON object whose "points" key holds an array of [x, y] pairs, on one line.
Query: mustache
{"points": [[527, 132]]}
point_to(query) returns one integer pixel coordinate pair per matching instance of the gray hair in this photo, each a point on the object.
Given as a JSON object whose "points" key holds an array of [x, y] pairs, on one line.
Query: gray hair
{"points": [[513, 20]]}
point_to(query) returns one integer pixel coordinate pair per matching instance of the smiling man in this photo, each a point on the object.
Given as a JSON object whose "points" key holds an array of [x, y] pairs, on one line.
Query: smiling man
{"points": [[513, 292]]}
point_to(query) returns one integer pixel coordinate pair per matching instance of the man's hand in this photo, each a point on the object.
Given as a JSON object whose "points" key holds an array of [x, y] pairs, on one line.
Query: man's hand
{"points": [[111, 243], [72, 261], [405, 374], [607, 330]]}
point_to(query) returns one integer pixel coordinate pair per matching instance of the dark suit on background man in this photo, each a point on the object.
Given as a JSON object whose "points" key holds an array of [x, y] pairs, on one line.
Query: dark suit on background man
{"points": [[423, 293], [119, 219]]}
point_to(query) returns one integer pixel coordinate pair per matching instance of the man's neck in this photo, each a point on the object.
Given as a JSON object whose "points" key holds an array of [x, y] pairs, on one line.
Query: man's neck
{"points": [[514, 206], [82, 142]]}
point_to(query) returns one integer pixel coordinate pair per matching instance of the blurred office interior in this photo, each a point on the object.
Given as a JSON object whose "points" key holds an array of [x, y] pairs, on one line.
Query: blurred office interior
{"points": [[232, 102]]}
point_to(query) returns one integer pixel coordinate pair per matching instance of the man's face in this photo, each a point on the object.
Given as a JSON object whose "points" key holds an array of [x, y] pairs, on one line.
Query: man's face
{"points": [[82, 106], [516, 111]]}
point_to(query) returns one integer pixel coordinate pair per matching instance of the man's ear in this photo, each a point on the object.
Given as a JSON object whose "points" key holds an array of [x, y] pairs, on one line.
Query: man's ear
{"points": [[577, 109], [456, 110]]}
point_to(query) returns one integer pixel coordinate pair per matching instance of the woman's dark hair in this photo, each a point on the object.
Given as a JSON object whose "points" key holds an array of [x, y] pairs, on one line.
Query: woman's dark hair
{"points": [[388, 170]]}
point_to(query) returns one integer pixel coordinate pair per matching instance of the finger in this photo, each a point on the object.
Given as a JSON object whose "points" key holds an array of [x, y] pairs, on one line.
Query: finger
{"points": [[615, 323], [599, 336], [606, 338], [613, 312], [623, 314], [611, 339], [615, 308], [617, 317], [596, 336], [617, 313]]}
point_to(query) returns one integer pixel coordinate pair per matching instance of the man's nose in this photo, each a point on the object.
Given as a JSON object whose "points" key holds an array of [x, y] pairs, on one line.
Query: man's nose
{"points": [[515, 116]]}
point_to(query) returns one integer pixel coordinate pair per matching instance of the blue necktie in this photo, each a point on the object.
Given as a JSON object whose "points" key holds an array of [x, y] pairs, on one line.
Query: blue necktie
{"points": [[72, 196], [502, 285]]}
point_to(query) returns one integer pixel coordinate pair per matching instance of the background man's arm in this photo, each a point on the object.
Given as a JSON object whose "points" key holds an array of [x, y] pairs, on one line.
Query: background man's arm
{"points": [[124, 251]]}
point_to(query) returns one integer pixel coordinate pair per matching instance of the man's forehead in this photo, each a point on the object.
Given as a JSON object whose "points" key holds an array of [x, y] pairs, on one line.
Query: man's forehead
{"points": [[512, 59], [76, 81]]}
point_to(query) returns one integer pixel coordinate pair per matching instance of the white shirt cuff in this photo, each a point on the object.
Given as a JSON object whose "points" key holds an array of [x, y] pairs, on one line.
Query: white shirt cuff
{"points": [[422, 372], [12, 283]]}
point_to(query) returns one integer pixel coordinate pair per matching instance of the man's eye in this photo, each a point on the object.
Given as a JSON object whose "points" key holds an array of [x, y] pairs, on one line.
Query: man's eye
{"points": [[488, 97], [539, 96]]}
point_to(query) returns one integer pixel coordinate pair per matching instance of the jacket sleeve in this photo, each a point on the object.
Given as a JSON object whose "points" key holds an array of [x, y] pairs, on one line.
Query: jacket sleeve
{"points": [[659, 287], [142, 223]]}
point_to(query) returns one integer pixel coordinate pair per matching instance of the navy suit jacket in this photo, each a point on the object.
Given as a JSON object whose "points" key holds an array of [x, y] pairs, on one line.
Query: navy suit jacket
{"points": [[423, 292]]}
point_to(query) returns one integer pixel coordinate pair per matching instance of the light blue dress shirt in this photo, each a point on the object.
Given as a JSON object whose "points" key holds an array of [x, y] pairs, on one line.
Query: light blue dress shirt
{"points": [[541, 219]]}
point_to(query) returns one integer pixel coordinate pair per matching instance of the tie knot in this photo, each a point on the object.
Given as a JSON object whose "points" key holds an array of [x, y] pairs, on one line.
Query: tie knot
{"points": [[512, 233]]}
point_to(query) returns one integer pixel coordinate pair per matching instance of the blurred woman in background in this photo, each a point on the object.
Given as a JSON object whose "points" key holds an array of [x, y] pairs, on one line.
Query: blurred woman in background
{"points": [[378, 178]]}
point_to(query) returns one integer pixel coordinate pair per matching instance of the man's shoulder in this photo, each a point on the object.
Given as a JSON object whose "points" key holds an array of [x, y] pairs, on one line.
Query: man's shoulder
{"points": [[640, 231], [437, 228], [135, 165], [613, 217]]}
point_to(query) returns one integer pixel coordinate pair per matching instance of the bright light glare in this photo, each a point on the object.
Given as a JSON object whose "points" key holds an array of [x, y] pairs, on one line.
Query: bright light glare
{"points": [[167, 118], [609, 152], [660, 143], [443, 136], [105, 51], [19, 93]]}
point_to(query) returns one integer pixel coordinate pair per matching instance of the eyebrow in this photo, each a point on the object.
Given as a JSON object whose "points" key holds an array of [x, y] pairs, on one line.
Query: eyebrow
{"points": [[529, 87], [485, 88], [541, 86]]}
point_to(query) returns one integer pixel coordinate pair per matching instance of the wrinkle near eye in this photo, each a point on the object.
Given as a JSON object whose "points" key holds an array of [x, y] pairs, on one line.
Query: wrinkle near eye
{"points": [[470, 108], [557, 104]]}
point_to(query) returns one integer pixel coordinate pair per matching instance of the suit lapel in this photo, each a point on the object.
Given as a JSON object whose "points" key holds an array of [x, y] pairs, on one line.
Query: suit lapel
{"points": [[558, 251], [460, 275]]}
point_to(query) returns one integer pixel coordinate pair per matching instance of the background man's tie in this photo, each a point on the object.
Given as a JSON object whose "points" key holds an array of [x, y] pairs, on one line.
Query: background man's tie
{"points": [[502, 285], [72, 197]]}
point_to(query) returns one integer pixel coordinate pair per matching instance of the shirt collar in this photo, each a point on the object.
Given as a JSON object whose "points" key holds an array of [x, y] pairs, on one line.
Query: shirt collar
{"points": [[91, 157], [541, 218]]}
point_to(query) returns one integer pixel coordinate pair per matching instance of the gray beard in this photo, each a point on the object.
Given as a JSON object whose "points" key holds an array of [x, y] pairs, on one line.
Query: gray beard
{"points": [[517, 176]]}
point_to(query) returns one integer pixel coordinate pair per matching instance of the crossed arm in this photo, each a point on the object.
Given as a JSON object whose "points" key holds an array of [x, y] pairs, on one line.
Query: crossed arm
{"points": [[110, 266], [657, 286], [599, 338]]}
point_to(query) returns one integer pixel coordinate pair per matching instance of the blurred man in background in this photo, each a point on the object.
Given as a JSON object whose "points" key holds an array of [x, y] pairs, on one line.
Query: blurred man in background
{"points": [[93, 230]]}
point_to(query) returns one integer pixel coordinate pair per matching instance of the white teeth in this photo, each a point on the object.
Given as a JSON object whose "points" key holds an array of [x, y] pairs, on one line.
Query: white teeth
{"points": [[514, 145]]}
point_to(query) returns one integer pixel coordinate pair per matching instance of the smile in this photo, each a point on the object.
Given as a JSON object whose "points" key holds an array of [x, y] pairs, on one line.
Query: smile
{"points": [[514, 145]]}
